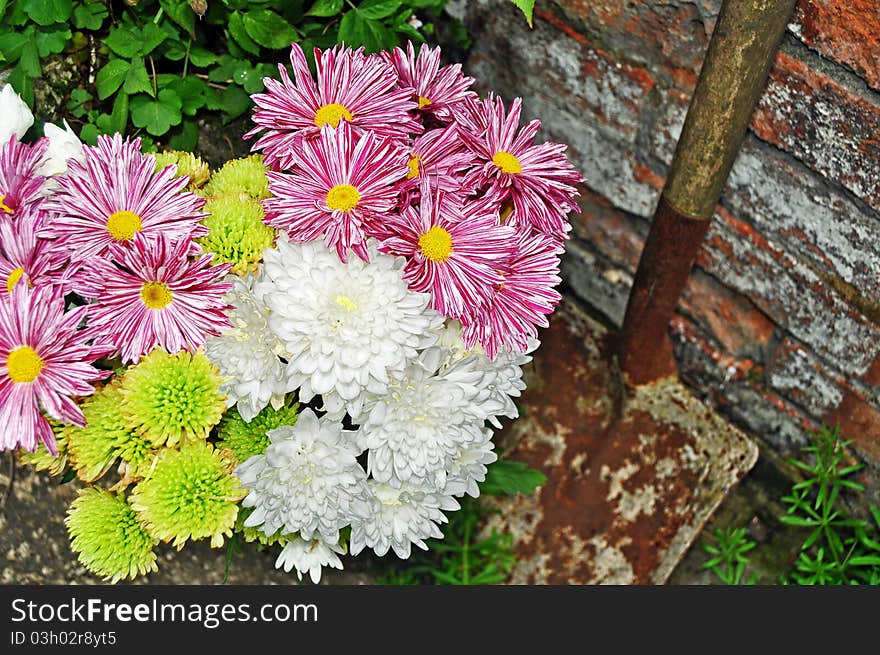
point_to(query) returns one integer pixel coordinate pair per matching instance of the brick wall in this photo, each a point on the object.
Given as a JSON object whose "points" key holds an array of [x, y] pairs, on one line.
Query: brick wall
{"points": [[780, 324]]}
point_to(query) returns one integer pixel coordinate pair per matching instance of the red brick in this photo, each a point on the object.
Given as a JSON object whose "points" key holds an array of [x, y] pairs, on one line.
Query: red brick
{"points": [[860, 422], [847, 31], [830, 128]]}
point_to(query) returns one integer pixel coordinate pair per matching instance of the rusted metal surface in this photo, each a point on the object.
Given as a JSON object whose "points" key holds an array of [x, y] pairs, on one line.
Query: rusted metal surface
{"points": [[629, 486], [731, 81], [666, 262]]}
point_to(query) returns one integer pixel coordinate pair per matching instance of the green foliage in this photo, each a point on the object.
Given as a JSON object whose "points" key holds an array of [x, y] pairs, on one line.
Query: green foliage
{"points": [[157, 64], [837, 549], [466, 555], [729, 559]]}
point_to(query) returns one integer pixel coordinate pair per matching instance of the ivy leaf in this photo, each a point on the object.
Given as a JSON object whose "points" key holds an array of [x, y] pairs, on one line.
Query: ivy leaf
{"points": [[137, 80], [47, 12], [509, 477], [526, 7], [90, 16], [375, 9], [111, 77], [239, 33], [325, 8], [49, 43], [156, 115], [123, 42], [268, 29], [180, 12]]}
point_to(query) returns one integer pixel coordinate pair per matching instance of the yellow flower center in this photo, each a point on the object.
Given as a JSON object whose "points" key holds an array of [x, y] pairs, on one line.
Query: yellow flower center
{"points": [[343, 197], [436, 244], [424, 102], [345, 302], [24, 364], [507, 162], [13, 278], [506, 211], [123, 225], [331, 115], [413, 167], [4, 206], [156, 295]]}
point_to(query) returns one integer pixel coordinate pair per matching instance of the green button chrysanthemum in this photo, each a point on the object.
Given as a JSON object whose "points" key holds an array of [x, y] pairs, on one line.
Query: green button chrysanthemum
{"points": [[248, 439], [187, 164], [41, 459], [242, 176], [167, 398], [191, 494], [107, 437], [107, 536], [236, 232]]}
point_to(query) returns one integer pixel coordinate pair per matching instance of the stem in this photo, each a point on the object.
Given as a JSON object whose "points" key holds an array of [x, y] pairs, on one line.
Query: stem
{"points": [[731, 81], [153, 71], [186, 58]]}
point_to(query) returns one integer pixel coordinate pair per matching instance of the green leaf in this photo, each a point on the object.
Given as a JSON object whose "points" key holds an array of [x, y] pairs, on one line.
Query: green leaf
{"points": [[137, 80], [268, 29], [46, 12], [510, 477], [89, 134], [191, 91], [526, 7], [201, 57], [355, 30], [234, 102], [123, 42], [239, 33], [180, 12], [378, 8], [77, 102], [90, 16], [325, 8], [11, 44], [23, 84], [186, 137], [111, 77], [865, 560], [119, 116], [223, 71], [152, 36], [248, 77], [29, 59], [49, 43], [156, 115]]}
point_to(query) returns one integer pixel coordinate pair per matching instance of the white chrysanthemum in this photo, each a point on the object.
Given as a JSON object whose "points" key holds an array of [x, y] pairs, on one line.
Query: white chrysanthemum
{"points": [[501, 378], [15, 116], [64, 145], [349, 328], [309, 557], [307, 481], [470, 468], [401, 517], [247, 354], [424, 422]]}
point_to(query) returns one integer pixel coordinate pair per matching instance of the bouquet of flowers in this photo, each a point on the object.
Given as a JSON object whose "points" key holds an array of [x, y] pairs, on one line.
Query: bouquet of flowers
{"points": [[309, 347]]}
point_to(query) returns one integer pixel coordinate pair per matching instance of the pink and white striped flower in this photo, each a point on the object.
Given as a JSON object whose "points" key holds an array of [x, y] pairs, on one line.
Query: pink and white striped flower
{"points": [[152, 294], [437, 89], [455, 251], [537, 179], [116, 194], [440, 158], [26, 257], [522, 302], [344, 183], [21, 185], [44, 361], [351, 87]]}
